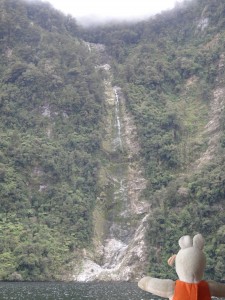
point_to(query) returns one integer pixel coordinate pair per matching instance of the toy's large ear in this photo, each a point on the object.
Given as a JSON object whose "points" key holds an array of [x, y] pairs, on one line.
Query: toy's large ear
{"points": [[198, 241], [185, 242], [171, 260]]}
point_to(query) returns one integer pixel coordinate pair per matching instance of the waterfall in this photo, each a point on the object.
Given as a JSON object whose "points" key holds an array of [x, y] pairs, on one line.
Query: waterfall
{"points": [[89, 46], [124, 197], [122, 250], [118, 139]]}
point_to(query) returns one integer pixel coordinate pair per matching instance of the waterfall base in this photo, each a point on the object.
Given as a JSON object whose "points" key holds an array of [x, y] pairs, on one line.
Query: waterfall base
{"points": [[128, 266]]}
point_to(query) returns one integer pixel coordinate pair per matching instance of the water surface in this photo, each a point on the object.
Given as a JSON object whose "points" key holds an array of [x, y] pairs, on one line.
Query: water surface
{"points": [[72, 291]]}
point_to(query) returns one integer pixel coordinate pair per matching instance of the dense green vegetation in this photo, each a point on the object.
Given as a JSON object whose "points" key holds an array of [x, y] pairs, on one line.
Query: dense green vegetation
{"points": [[51, 108], [169, 68]]}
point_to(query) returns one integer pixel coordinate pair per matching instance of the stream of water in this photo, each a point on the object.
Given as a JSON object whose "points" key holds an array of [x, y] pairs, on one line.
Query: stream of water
{"points": [[118, 139], [119, 232]]}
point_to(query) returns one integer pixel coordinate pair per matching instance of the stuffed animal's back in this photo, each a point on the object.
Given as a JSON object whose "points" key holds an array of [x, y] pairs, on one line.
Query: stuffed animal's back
{"points": [[191, 291]]}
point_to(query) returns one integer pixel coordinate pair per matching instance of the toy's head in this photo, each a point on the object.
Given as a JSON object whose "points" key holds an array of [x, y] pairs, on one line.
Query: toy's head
{"points": [[190, 260]]}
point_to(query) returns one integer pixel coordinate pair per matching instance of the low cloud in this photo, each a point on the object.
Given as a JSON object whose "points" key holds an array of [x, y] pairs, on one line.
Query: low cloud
{"points": [[99, 11]]}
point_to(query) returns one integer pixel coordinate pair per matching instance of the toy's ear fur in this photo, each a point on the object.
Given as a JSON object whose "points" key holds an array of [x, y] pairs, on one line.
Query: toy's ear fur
{"points": [[198, 241], [185, 242]]}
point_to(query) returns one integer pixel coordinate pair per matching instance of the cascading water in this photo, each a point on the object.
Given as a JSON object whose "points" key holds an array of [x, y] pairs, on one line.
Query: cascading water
{"points": [[118, 139], [123, 248], [119, 232]]}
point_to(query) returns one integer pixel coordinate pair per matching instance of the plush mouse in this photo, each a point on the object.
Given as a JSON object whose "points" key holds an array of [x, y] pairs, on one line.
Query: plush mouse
{"points": [[190, 264]]}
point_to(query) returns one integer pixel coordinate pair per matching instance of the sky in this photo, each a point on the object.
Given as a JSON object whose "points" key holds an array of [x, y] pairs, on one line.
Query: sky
{"points": [[102, 10]]}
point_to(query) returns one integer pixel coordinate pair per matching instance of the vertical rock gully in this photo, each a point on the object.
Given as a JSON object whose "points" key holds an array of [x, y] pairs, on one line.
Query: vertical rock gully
{"points": [[120, 253]]}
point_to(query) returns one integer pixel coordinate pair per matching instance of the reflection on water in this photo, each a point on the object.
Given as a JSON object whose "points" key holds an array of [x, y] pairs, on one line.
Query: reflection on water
{"points": [[72, 291]]}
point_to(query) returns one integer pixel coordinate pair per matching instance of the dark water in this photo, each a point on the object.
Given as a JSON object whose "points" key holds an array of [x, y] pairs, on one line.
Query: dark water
{"points": [[72, 291]]}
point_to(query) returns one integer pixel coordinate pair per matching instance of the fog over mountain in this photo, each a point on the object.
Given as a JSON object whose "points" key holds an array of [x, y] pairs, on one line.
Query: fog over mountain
{"points": [[89, 12]]}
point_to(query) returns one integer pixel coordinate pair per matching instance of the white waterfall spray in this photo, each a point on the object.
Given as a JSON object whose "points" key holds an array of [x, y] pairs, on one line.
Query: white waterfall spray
{"points": [[118, 139]]}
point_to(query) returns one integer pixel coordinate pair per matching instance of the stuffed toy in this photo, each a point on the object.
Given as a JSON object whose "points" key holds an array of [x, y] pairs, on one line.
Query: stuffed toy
{"points": [[190, 264]]}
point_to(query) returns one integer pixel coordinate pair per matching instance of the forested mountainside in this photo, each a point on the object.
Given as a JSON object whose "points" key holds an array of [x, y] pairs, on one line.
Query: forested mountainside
{"points": [[170, 69], [50, 105]]}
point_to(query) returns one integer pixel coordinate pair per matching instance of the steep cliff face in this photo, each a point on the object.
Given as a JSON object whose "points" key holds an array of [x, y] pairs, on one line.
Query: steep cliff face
{"points": [[171, 70], [119, 249], [126, 137]]}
